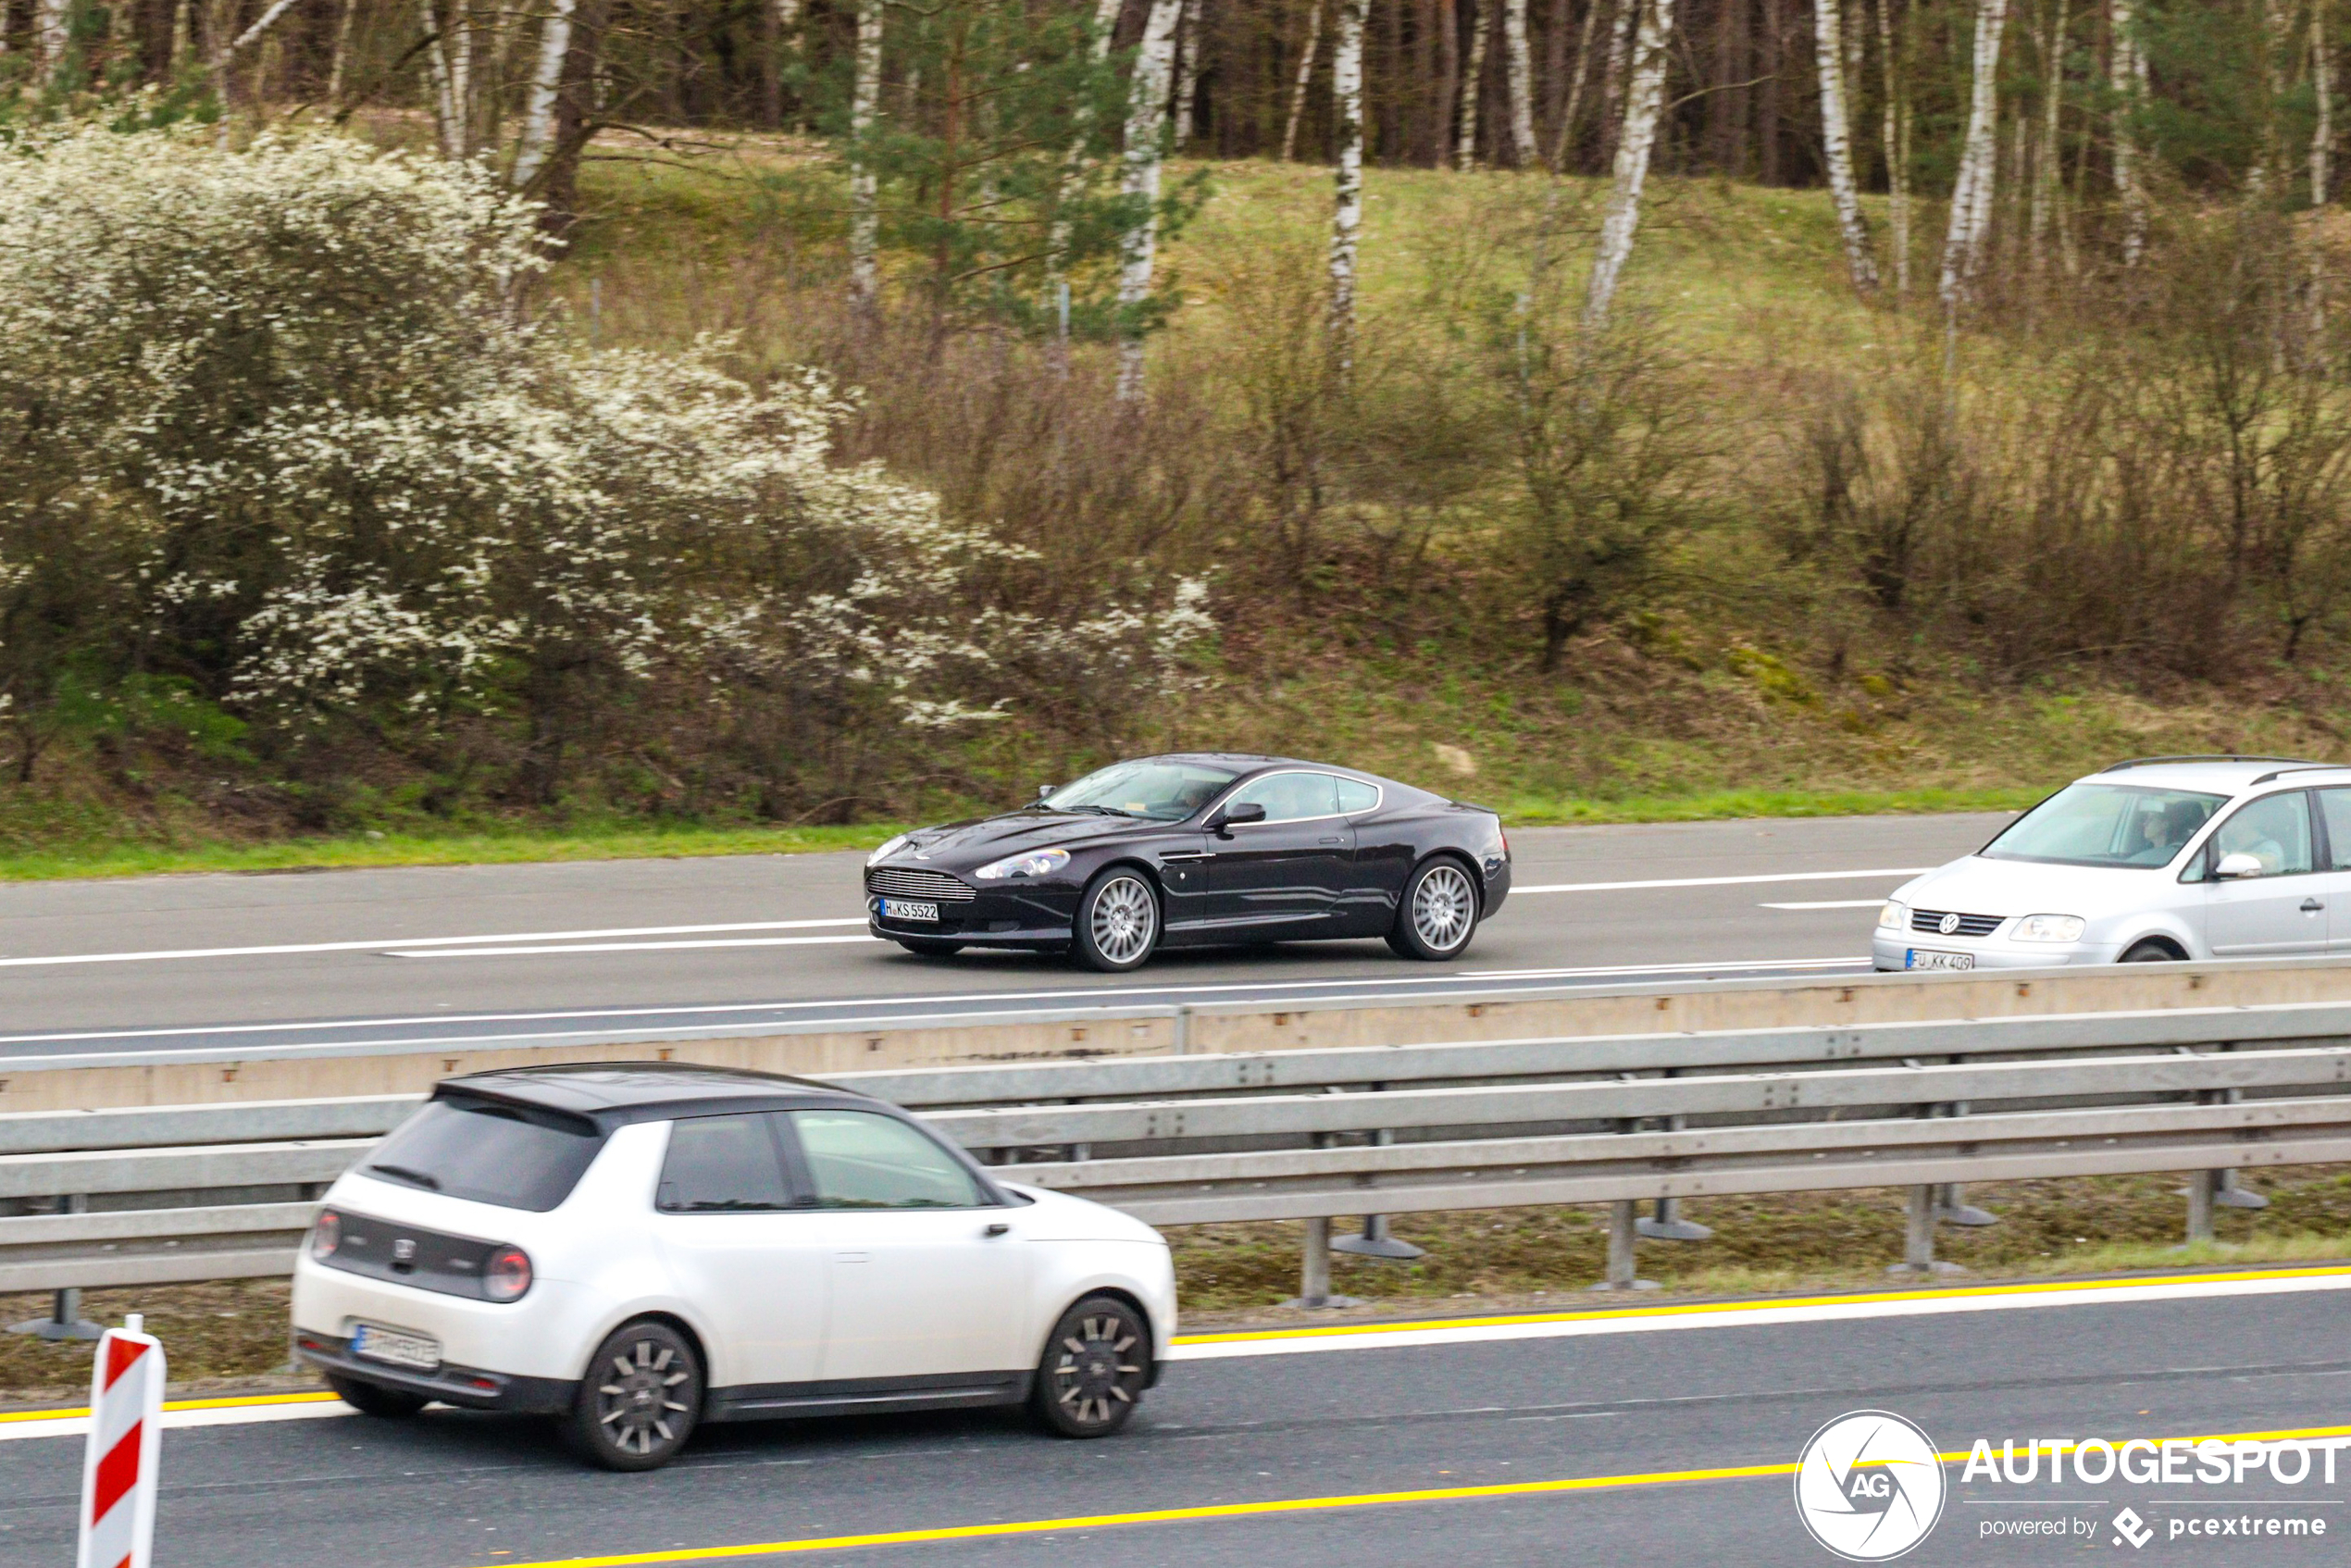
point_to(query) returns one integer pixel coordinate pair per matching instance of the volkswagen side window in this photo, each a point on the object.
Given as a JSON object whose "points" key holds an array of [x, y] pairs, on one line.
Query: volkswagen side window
{"points": [[2274, 830]]}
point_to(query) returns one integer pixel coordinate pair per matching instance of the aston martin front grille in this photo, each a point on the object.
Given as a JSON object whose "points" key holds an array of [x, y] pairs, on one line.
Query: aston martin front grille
{"points": [[907, 882], [1969, 925]]}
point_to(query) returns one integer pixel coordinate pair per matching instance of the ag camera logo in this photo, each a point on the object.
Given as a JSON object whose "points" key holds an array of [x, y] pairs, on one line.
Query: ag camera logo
{"points": [[1869, 1486]]}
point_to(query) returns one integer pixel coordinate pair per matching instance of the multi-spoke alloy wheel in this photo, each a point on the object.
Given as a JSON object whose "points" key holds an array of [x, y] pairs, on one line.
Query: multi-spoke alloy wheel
{"points": [[1440, 912], [1094, 1369], [639, 1399], [1117, 922]]}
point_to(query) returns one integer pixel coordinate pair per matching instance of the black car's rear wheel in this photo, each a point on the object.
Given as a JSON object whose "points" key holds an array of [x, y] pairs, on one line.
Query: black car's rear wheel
{"points": [[639, 1399], [926, 947], [1118, 922], [1094, 1369], [1438, 915]]}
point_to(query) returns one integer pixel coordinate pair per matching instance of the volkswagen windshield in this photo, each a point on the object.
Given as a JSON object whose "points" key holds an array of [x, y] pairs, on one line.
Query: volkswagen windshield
{"points": [[2117, 825]]}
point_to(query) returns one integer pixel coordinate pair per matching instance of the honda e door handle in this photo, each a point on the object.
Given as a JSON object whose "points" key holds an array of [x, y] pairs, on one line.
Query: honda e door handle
{"points": [[999, 1228], [2311, 906]]}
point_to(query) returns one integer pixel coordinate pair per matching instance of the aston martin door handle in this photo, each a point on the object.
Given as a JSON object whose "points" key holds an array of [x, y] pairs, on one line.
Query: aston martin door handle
{"points": [[1334, 840], [1186, 854], [2311, 906]]}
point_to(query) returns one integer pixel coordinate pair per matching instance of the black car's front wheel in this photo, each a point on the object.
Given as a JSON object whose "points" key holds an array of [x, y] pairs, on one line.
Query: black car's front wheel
{"points": [[1118, 922], [639, 1399], [1438, 915], [1093, 1370]]}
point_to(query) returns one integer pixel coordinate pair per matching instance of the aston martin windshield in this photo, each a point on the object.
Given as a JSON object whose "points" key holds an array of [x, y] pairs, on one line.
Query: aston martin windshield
{"points": [[2105, 824], [1161, 792]]}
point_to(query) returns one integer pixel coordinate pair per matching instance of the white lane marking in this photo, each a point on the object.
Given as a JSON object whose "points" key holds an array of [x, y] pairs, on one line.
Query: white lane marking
{"points": [[631, 947], [1722, 881], [382, 943], [173, 1420], [1829, 903], [1759, 1316], [1086, 994]]}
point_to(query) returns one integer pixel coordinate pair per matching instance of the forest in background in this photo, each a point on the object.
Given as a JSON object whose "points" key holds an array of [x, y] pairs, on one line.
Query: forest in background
{"points": [[1696, 397]]}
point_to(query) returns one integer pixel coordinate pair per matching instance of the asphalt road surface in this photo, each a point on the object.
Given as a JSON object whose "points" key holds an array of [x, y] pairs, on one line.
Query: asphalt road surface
{"points": [[1659, 1415], [213, 963]]}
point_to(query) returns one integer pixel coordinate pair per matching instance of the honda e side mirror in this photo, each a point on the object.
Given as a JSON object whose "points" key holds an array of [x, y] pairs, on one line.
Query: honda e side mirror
{"points": [[2233, 866], [1239, 810]]}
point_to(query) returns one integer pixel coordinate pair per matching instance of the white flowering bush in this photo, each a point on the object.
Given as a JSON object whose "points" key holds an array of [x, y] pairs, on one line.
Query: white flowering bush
{"points": [[280, 422]]}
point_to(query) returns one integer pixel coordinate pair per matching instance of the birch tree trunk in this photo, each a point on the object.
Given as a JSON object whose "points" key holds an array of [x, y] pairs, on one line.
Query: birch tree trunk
{"points": [[546, 85], [1187, 76], [1972, 198], [1521, 78], [341, 66], [444, 103], [1146, 122], [1894, 131], [49, 38], [1347, 214], [1620, 45], [2124, 78], [2047, 188], [1828, 40], [1643, 98], [1074, 160], [2322, 88], [865, 189], [2274, 27], [1305, 74], [1473, 77], [1564, 143]]}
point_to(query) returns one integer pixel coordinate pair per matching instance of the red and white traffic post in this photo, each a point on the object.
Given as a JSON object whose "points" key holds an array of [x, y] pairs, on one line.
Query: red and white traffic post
{"points": [[118, 1469]]}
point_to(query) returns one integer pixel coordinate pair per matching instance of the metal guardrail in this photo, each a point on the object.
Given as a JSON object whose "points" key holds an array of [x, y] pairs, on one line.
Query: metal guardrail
{"points": [[1315, 1133]]}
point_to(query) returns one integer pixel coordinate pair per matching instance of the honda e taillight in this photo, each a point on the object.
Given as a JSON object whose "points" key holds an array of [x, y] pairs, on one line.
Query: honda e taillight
{"points": [[508, 1274], [327, 1235]]}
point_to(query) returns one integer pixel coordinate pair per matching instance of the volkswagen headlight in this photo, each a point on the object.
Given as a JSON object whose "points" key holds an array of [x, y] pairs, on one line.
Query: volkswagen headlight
{"points": [[1037, 862], [2050, 929], [1894, 917], [887, 849]]}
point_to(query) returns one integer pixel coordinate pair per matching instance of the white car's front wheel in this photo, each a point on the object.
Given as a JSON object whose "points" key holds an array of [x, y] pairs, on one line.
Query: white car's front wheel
{"points": [[1094, 1369]]}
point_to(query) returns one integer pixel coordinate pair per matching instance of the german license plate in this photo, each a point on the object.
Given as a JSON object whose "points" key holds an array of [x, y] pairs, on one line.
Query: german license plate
{"points": [[400, 1350], [908, 909], [1922, 958]]}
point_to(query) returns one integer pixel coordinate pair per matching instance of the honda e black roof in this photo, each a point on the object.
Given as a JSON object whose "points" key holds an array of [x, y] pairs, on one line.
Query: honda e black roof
{"points": [[614, 1093]]}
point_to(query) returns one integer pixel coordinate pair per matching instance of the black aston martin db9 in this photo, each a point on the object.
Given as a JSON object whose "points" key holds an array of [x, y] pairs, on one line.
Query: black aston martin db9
{"points": [[1198, 850]]}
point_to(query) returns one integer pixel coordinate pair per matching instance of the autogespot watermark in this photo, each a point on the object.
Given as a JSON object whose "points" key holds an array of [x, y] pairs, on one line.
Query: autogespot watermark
{"points": [[1871, 1485]]}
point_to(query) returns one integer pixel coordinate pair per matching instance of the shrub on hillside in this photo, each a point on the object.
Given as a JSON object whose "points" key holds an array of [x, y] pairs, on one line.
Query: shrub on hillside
{"points": [[279, 422]]}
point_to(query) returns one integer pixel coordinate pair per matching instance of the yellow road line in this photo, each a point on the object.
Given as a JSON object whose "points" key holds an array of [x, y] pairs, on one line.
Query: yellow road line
{"points": [[233, 1401], [1693, 1309], [1278, 1505]]}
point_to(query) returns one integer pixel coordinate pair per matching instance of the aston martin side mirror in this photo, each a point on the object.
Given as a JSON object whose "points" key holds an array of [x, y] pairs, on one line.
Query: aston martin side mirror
{"points": [[1239, 812], [1043, 790]]}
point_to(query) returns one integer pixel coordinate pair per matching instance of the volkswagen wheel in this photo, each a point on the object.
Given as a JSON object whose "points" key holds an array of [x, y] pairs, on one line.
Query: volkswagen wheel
{"points": [[639, 1399], [1117, 921], [1438, 915]]}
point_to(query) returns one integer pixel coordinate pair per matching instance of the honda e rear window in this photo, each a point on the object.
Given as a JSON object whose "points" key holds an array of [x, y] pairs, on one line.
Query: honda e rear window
{"points": [[2105, 824], [510, 1156]]}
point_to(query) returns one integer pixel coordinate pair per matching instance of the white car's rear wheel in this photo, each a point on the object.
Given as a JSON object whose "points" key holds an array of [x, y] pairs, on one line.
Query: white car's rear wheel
{"points": [[1094, 1369], [639, 1399]]}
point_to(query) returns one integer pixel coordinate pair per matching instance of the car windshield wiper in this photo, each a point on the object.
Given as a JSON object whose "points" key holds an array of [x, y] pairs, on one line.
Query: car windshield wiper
{"points": [[414, 1179], [1103, 811]]}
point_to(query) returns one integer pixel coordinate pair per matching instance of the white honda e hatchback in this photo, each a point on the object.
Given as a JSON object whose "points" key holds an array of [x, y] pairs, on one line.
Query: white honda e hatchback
{"points": [[2160, 858], [637, 1248]]}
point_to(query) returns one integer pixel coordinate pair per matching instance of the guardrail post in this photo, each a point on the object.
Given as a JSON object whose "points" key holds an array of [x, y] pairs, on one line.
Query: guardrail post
{"points": [[1951, 1206], [64, 1320], [1314, 1270], [2225, 1190], [1918, 1237], [1375, 1241], [1622, 1236], [2201, 1186], [1183, 1028]]}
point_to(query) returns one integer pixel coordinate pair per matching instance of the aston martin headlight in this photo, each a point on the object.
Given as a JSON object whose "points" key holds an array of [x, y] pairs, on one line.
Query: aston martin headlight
{"points": [[2050, 929], [1037, 862], [1893, 918], [889, 848]]}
